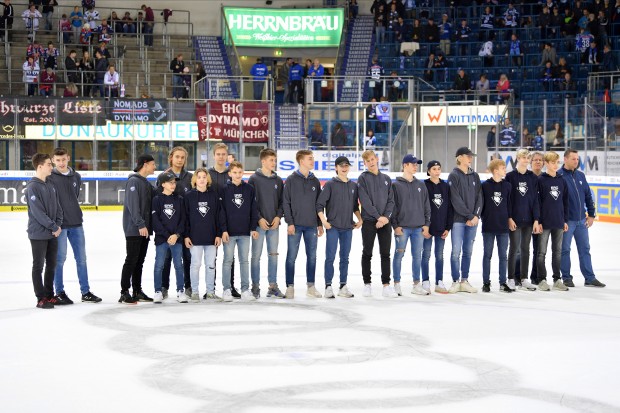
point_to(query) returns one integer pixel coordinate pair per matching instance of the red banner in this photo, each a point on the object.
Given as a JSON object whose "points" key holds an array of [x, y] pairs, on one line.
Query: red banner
{"points": [[232, 120]]}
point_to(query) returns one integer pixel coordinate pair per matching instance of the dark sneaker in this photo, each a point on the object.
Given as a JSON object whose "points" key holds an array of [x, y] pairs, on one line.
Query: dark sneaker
{"points": [[164, 292], [256, 291], [234, 292], [204, 297], [143, 298], [594, 283], [62, 299], [486, 288], [126, 298], [504, 288], [90, 298], [45, 304], [188, 291], [569, 283]]}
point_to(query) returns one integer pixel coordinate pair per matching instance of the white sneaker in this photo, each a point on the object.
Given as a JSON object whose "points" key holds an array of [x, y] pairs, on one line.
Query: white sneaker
{"points": [[426, 285], [418, 290], [195, 298], [559, 285], [290, 292], [467, 288], [247, 296], [543, 286], [227, 296], [158, 297], [441, 288], [388, 292], [182, 297], [329, 292], [344, 292], [397, 289], [455, 287], [527, 285], [511, 285], [313, 293], [367, 291]]}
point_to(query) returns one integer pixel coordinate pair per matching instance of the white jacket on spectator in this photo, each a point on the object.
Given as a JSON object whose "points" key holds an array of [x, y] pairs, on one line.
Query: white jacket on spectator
{"points": [[486, 49], [31, 71], [31, 18]]}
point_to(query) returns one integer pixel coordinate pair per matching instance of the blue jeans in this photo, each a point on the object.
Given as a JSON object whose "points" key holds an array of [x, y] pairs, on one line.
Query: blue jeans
{"points": [[463, 238], [177, 86], [243, 249], [75, 235], [415, 235], [273, 238], [333, 236], [578, 230], [426, 257], [210, 253], [258, 86], [310, 240], [488, 239], [160, 256], [317, 90]]}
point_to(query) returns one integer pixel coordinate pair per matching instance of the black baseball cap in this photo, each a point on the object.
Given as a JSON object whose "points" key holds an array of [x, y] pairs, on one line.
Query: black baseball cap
{"points": [[167, 177], [430, 165], [411, 159], [464, 151], [342, 160], [142, 159]]}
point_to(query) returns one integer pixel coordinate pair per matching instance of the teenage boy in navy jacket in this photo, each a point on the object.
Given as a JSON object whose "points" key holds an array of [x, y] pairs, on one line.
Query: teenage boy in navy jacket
{"points": [[553, 220], [441, 223], [497, 204], [239, 204]]}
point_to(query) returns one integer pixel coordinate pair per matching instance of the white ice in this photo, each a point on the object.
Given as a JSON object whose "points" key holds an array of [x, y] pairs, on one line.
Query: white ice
{"points": [[526, 351]]}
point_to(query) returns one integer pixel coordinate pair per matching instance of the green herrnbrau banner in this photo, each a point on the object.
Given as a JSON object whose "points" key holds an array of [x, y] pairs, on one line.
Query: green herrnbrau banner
{"points": [[285, 27]]}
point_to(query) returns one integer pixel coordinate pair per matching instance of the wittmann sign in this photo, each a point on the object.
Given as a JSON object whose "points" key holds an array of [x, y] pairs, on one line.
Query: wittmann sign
{"points": [[133, 110], [285, 27], [232, 121], [461, 115]]}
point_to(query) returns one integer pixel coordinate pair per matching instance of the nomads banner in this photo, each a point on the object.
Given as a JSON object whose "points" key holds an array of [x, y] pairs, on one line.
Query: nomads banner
{"points": [[232, 121]]}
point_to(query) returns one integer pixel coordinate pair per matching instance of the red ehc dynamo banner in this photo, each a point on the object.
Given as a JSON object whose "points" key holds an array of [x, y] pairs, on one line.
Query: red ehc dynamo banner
{"points": [[228, 120]]}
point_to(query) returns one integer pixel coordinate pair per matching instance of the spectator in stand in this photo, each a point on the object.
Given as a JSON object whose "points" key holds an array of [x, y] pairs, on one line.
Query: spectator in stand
{"points": [[148, 25], [463, 34], [285, 81], [429, 66], [431, 32], [104, 33], [392, 21], [491, 139], [503, 88], [316, 72], [71, 91], [101, 67], [561, 69], [34, 50], [608, 62], [538, 143], [417, 34], [187, 82], [129, 26], [111, 81], [544, 21], [445, 34], [548, 54], [592, 26], [591, 56], [339, 136], [115, 23], [103, 49], [72, 66], [486, 51], [295, 76], [556, 22], [317, 135], [511, 17], [568, 85], [31, 18], [546, 76], [569, 29], [91, 16], [376, 73], [487, 24], [462, 82], [395, 87], [370, 141], [483, 88], [508, 135], [6, 20], [85, 36], [354, 9], [557, 137], [582, 42], [64, 26], [177, 65], [50, 56], [259, 72], [76, 17], [46, 84], [380, 24], [48, 14], [31, 74], [371, 115], [87, 67], [440, 67], [515, 50]]}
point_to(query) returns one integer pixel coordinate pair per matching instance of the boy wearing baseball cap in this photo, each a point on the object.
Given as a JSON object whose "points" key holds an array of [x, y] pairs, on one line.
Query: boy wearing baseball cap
{"points": [[339, 198], [410, 220], [442, 215]]}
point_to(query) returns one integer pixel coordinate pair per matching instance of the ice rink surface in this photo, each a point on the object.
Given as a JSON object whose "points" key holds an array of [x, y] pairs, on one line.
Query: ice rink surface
{"points": [[521, 352]]}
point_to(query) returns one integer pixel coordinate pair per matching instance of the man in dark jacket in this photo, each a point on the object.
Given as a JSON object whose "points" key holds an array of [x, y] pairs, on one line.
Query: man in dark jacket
{"points": [[177, 65]]}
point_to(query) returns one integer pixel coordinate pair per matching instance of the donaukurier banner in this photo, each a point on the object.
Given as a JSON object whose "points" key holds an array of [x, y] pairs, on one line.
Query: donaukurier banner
{"points": [[137, 110], [233, 121]]}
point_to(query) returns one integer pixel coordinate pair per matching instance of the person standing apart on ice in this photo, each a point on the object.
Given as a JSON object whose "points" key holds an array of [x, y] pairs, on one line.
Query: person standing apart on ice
{"points": [[68, 183], [44, 221], [137, 227], [377, 201], [410, 220], [466, 199], [339, 200]]}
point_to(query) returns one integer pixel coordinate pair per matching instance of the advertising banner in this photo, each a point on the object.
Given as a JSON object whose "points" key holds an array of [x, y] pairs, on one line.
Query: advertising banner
{"points": [[137, 110], [31, 111], [233, 121], [461, 115], [324, 161], [285, 27], [81, 112], [178, 131]]}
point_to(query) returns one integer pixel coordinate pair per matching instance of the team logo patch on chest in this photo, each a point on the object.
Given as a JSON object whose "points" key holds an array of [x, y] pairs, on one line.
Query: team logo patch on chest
{"points": [[169, 210], [437, 200], [497, 198], [238, 200], [522, 188], [555, 192], [203, 208]]}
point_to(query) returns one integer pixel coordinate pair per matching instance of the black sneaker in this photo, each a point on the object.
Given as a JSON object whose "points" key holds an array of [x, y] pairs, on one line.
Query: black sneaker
{"points": [[45, 304], [90, 298], [234, 292], [593, 283], [126, 298], [62, 299], [486, 288], [204, 297], [569, 283], [143, 298], [256, 291], [503, 287], [164, 292]]}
